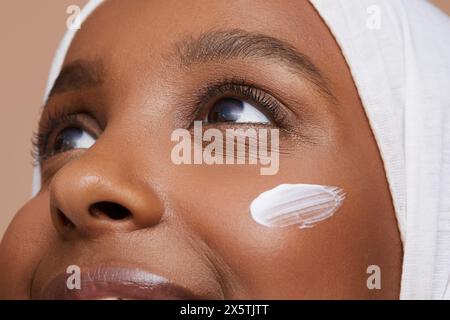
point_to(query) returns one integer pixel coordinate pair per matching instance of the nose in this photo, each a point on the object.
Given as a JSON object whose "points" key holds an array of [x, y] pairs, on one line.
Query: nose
{"points": [[88, 199]]}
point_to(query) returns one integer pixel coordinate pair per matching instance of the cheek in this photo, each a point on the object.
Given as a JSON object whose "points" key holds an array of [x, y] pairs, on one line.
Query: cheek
{"points": [[290, 262], [25, 242], [265, 262], [277, 263]]}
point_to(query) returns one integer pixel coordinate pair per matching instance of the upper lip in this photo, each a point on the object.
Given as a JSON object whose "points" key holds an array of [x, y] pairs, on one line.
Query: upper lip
{"points": [[115, 282]]}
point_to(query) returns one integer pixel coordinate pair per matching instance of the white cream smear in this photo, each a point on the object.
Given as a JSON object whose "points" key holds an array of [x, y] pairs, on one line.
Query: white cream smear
{"points": [[301, 205]]}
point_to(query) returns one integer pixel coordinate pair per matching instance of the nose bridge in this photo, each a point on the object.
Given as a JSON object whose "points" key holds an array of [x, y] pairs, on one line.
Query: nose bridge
{"points": [[96, 194]]}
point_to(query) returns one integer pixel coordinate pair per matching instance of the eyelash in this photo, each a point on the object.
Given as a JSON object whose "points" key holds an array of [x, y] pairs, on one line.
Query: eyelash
{"points": [[61, 118], [214, 91]]}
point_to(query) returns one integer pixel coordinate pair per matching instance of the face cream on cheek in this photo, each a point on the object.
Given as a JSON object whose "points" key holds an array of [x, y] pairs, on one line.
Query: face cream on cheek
{"points": [[301, 205]]}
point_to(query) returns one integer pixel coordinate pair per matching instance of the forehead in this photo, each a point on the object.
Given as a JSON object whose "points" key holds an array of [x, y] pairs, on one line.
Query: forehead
{"points": [[144, 31]]}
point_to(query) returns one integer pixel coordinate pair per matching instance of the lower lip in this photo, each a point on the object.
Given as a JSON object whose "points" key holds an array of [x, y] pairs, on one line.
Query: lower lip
{"points": [[115, 283]]}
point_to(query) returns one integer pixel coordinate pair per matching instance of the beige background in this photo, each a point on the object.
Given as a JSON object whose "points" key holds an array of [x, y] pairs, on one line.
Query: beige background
{"points": [[29, 34]]}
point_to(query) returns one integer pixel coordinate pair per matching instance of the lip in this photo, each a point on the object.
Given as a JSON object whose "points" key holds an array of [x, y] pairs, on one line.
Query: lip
{"points": [[106, 282]]}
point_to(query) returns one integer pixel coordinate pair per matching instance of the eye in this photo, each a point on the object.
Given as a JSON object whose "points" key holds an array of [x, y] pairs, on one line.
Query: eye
{"points": [[72, 138], [235, 111]]}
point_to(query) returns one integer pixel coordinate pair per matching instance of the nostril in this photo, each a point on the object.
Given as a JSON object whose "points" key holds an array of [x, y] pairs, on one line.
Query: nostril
{"points": [[111, 210]]}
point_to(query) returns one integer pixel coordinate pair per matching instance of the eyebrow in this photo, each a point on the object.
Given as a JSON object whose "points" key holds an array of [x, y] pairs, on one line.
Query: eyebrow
{"points": [[224, 45], [213, 46], [78, 75]]}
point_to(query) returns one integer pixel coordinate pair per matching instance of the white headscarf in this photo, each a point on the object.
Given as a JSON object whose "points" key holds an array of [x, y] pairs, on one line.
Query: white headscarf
{"points": [[399, 55]]}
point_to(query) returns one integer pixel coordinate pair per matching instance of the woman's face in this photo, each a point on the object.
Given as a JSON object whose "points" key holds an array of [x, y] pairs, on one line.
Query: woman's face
{"points": [[112, 195]]}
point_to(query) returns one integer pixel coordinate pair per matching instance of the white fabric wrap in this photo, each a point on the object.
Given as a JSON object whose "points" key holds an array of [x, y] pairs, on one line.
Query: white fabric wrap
{"points": [[402, 72]]}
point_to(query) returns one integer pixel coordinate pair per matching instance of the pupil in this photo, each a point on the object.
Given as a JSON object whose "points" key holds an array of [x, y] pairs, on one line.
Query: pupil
{"points": [[67, 139], [226, 110]]}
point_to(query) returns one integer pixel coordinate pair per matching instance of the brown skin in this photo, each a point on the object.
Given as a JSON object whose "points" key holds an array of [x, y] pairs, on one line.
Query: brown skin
{"points": [[198, 216]]}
